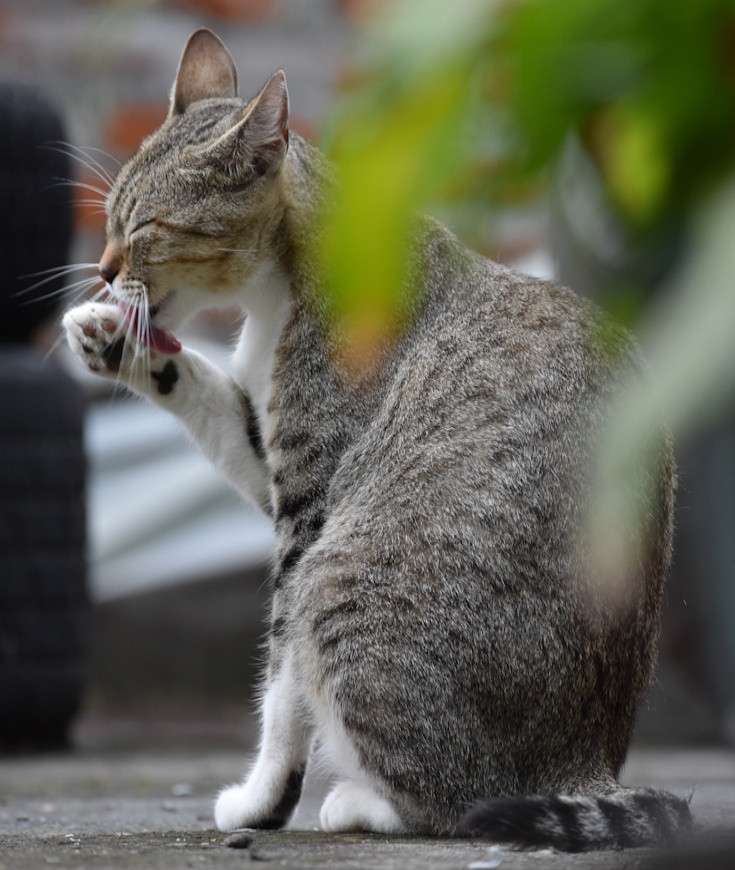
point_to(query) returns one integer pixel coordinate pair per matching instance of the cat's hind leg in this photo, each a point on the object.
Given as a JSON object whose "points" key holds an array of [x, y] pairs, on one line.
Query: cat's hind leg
{"points": [[269, 794], [356, 806]]}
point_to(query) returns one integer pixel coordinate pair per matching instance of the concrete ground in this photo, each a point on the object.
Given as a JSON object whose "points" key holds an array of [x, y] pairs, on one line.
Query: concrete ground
{"points": [[152, 808]]}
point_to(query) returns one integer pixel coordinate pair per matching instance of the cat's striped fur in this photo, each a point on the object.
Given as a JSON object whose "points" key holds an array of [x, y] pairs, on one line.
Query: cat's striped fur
{"points": [[433, 631]]}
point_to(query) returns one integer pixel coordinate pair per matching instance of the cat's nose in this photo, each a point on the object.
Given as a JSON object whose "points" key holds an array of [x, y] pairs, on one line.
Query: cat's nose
{"points": [[110, 262], [107, 273]]}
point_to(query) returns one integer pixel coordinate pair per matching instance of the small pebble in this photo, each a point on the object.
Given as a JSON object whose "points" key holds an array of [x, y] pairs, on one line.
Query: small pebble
{"points": [[239, 840], [181, 789]]}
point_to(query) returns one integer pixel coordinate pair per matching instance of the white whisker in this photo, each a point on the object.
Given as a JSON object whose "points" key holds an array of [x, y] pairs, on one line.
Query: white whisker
{"points": [[146, 333], [100, 294], [88, 148], [91, 201], [82, 185], [60, 270], [54, 275], [56, 344], [76, 153], [67, 290]]}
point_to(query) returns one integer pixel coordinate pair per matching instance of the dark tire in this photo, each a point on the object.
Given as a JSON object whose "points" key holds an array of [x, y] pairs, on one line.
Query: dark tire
{"points": [[43, 593]]}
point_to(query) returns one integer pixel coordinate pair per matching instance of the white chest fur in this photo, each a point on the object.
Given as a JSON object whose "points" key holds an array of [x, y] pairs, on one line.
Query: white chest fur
{"points": [[267, 300]]}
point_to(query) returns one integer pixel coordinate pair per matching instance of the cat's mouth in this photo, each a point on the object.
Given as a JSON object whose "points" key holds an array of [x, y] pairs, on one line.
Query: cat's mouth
{"points": [[147, 332]]}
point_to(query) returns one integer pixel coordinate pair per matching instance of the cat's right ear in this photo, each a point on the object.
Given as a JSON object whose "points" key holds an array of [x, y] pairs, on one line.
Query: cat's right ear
{"points": [[206, 70], [257, 142]]}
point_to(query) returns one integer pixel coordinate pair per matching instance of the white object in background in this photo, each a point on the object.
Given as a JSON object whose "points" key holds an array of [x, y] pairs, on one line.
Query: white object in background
{"points": [[158, 513]]}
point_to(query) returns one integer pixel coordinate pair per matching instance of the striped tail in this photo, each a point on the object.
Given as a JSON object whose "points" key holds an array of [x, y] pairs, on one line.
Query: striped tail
{"points": [[579, 823]]}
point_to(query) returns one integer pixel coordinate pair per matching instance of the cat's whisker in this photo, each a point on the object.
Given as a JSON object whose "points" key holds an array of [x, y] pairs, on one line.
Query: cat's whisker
{"points": [[55, 345], [48, 275], [139, 326], [136, 331], [122, 332], [81, 288], [81, 185], [68, 290], [79, 154], [60, 270], [111, 157], [147, 338], [73, 291], [91, 201]]}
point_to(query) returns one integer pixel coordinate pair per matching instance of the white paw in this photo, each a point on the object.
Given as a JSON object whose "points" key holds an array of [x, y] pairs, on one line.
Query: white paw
{"points": [[234, 809], [266, 800], [101, 337], [354, 806], [97, 334]]}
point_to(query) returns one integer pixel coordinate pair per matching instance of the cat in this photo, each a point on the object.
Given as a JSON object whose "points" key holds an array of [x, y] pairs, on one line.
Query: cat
{"points": [[433, 633]]}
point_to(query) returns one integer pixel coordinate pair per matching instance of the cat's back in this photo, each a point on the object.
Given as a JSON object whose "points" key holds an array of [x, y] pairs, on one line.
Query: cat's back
{"points": [[497, 395]]}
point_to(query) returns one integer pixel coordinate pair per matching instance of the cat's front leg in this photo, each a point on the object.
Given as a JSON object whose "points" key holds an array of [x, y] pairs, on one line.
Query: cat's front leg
{"points": [[269, 794], [210, 405]]}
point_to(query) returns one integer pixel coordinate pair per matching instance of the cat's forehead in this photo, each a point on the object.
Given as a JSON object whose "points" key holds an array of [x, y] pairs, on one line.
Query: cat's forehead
{"points": [[157, 162], [202, 122]]}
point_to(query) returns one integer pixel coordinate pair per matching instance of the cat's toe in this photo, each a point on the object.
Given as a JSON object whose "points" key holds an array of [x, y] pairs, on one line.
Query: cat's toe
{"points": [[96, 334]]}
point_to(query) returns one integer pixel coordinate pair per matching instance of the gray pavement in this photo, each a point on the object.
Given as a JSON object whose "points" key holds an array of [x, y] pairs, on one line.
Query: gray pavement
{"points": [[153, 809]]}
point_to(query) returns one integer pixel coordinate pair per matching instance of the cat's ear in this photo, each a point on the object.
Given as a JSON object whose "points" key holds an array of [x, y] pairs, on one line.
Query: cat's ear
{"points": [[258, 141], [267, 123], [206, 70]]}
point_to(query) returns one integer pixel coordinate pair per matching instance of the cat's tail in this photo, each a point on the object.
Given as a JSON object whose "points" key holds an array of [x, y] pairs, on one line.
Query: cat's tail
{"points": [[578, 823]]}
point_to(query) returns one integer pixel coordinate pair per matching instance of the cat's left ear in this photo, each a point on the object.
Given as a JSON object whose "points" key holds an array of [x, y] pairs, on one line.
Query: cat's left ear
{"points": [[206, 70], [258, 142]]}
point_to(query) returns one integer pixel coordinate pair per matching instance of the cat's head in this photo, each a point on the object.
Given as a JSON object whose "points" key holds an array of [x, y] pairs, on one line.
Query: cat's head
{"points": [[194, 213]]}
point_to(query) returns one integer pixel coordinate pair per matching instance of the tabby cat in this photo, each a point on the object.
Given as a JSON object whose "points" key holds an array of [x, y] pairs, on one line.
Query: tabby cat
{"points": [[433, 632]]}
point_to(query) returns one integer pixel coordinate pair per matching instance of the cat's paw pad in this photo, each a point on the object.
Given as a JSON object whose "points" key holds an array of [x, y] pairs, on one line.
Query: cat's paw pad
{"points": [[355, 806], [97, 334]]}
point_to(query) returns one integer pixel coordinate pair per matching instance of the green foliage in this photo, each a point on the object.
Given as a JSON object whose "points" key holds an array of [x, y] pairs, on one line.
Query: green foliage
{"points": [[471, 102]]}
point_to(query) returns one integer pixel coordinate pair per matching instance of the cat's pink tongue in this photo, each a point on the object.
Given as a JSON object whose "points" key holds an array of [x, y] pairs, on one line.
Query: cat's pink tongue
{"points": [[158, 339]]}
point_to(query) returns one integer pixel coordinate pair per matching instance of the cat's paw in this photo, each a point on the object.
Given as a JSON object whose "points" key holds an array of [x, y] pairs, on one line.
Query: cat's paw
{"points": [[245, 806], [266, 800], [100, 336], [97, 333], [355, 806], [232, 809]]}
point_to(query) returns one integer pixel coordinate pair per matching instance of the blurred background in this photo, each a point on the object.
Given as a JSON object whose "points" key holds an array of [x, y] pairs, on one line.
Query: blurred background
{"points": [[589, 143]]}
